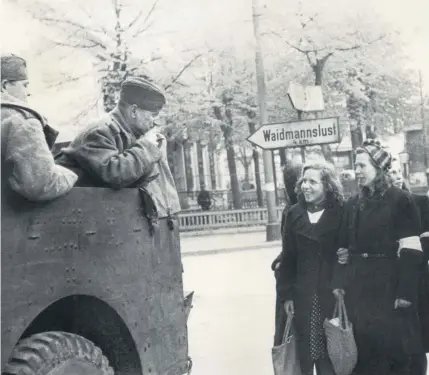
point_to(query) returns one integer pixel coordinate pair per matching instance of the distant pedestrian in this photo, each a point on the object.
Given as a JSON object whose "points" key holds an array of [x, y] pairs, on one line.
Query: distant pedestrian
{"points": [[381, 229], [204, 199], [309, 257]]}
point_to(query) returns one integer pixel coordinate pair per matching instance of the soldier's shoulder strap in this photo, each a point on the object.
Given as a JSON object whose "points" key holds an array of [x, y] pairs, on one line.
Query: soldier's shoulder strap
{"points": [[27, 112]]}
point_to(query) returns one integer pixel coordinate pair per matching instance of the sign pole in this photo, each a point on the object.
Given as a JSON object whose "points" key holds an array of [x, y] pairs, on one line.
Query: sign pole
{"points": [[273, 225], [301, 148]]}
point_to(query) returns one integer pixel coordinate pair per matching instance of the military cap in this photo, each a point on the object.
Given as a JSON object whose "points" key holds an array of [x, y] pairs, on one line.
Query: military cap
{"points": [[13, 68], [143, 93]]}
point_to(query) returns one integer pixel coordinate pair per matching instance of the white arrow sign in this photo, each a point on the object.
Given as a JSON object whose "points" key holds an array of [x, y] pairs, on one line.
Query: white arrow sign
{"points": [[296, 134]]}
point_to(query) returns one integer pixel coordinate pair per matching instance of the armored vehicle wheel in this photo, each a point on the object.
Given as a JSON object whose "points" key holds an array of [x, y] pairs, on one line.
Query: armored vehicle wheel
{"points": [[57, 353]]}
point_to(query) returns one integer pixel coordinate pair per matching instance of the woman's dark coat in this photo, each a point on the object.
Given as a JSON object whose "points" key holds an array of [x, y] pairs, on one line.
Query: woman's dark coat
{"points": [[307, 266], [376, 276], [422, 203]]}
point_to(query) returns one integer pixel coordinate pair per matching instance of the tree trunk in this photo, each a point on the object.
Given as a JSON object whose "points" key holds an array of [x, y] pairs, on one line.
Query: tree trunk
{"points": [[235, 187], [212, 165], [112, 81], [200, 165], [171, 154], [283, 159], [246, 167], [255, 155], [273, 157], [259, 193], [356, 136], [355, 113], [318, 80], [232, 166], [188, 166]]}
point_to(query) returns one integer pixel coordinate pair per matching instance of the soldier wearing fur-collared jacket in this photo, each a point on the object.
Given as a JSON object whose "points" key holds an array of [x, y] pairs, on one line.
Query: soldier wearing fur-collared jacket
{"points": [[28, 168], [122, 149], [381, 230]]}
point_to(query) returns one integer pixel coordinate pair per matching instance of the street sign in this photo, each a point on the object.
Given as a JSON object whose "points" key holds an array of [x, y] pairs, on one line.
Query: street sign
{"points": [[296, 134], [306, 98]]}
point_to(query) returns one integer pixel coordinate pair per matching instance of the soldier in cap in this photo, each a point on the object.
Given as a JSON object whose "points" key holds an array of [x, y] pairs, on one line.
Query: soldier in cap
{"points": [[122, 149], [28, 166]]}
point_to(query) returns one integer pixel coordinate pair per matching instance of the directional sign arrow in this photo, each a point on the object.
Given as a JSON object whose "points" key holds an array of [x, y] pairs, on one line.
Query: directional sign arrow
{"points": [[296, 134]]}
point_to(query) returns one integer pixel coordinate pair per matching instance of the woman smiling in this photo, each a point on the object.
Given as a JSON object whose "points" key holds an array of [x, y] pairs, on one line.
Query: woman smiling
{"points": [[310, 243]]}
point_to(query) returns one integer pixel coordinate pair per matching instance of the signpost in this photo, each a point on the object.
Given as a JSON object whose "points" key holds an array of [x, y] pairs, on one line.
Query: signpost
{"points": [[306, 98], [297, 134]]}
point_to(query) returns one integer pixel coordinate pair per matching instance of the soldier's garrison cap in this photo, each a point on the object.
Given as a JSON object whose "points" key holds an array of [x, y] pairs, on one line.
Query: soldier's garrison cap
{"points": [[13, 68], [143, 93]]}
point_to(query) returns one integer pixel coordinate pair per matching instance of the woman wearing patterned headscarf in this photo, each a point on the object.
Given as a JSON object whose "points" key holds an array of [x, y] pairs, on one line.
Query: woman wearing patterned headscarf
{"points": [[381, 229]]}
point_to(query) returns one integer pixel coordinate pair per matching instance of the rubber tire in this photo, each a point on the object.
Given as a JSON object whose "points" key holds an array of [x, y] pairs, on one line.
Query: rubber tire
{"points": [[55, 353]]}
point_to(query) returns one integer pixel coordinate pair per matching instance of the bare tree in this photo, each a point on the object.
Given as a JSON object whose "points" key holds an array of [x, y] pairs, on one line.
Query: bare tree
{"points": [[108, 43], [224, 113], [317, 55]]}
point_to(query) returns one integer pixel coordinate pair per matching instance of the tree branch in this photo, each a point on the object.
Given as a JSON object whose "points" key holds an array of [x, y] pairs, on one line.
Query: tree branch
{"points": [[86, 29], [144, 62], [73, 45], [358, 46], [69, 79], [85, 111], [174, 80], [99, 56], [303, 51], [133, 22], [151, 11], [142, 30], [146, 26], [102, 29]]}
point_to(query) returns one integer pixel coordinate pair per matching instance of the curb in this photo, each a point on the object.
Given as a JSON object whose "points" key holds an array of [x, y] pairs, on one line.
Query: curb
{"points": [[270, 245], [221, 231]]}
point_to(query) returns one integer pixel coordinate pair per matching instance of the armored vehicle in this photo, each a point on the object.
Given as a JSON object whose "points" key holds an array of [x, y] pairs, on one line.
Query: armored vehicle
{"points": [[87, 290]]}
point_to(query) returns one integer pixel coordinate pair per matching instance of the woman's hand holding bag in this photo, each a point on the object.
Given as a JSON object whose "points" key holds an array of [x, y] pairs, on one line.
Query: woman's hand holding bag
{"points": [[340, 341], [289, 308], [285, 356]]}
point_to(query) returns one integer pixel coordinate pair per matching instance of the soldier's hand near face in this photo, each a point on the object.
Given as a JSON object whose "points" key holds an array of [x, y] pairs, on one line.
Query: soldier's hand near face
{"points": [[162, 144], [151, 136]]}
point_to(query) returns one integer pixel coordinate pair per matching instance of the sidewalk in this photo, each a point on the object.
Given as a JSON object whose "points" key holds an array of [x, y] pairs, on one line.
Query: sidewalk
{"points": [[225, 243]]}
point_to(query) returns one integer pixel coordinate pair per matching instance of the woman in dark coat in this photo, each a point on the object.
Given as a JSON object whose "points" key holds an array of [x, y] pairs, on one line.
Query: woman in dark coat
{"points": [[381, 230], [310, 244], [422, 203]]}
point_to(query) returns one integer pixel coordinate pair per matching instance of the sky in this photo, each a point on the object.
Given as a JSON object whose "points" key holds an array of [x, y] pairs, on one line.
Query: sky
{"points": [[196, 24]]}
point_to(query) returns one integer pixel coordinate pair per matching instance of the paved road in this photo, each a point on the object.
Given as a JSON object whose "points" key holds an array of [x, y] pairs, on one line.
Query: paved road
{"points": [[226, 242], [231, 324]]}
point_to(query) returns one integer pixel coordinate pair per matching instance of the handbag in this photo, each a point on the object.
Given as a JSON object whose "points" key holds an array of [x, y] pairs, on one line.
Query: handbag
{"points": [[285, 356], [340, 341]]}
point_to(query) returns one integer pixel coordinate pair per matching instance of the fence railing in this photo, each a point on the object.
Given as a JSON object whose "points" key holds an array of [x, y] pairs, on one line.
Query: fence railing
{"points": [[208, 220]]}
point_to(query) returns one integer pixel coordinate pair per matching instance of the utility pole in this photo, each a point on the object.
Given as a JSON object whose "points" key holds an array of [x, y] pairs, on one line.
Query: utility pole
{"points": [[425, 129], [273, 225]]}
